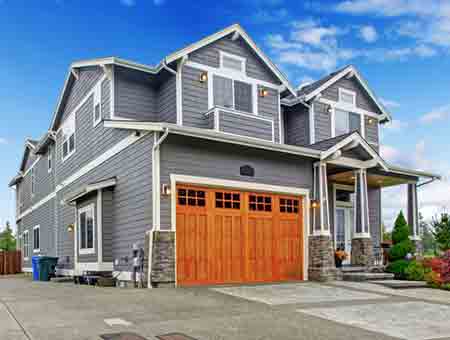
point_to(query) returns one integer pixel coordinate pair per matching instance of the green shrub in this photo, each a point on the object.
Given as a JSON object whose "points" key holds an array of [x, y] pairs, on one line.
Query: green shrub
{"points": [[400, 232], [398, 268], [400, 250], [415, 271]]}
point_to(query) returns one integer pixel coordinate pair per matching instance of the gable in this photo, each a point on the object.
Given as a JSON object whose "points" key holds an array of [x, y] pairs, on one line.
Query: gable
{"points": [[363, 99], [76, 90], [28, 159], [255, 68], [358, 153]]}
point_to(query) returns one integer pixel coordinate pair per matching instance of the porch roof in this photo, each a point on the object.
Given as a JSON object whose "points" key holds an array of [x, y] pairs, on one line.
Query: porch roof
{"points": [[91, 187]]}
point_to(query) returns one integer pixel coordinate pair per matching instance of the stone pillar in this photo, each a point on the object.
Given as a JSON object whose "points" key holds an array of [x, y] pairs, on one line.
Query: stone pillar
{"points": [[413, 218], [163, 259], [362, 246], [321, 255]]}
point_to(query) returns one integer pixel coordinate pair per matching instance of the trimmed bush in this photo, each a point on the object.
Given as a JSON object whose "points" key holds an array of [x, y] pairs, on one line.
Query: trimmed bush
{"points": [[415, 271], [400, 250], [400, 232], [398, 268]]}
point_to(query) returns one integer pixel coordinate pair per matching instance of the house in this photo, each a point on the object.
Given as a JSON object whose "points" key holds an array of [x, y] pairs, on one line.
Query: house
{"points": [[214, 164]]}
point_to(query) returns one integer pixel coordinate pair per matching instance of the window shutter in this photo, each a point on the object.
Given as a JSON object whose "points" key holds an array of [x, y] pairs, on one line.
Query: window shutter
{"points": [[243, 96], [223, 92]]}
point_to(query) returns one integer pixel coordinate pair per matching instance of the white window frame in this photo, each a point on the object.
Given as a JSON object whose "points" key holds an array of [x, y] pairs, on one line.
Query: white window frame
{"points": [[334, 120], [88, 208], [67, 138], [97, 101], [49, 160], [254, 94], [33, 181], [243, 61], [347, 92], [37, 250], [26, 245]]}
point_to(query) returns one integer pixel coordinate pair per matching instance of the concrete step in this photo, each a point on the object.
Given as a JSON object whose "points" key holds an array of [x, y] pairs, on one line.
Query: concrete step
{"points": [[400, 284], [353, 269], [358, 277]]}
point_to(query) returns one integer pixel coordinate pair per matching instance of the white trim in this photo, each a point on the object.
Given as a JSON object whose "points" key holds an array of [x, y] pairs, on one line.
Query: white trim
{"points": [[242, 60], [150, 254], [210, 90], [112, 97], [342, 91], [97, 101], [126, 276], [90, 188], [37, 250], [49, 159], [218, 35], [312, 125], [94, 267], [156, 182], [64, 272], [26, 258], [75, 239], [27, 269], [280, 120], [179, 91], [349, 108], [87, 209], [67, 139], [333, 122], [231, 75], [100, 226], [247, 186]]}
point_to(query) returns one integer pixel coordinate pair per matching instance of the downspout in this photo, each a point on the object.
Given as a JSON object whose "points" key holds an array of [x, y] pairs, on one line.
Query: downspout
{"points": [[166, 67]]}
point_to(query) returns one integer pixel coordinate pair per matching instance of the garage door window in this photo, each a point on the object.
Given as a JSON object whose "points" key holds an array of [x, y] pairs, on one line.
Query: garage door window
{"points": [[191, 197], [288, 205], [228, 200], [260, 203]]}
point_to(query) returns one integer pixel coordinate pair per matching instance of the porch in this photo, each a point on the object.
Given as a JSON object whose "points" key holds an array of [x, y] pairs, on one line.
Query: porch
{"points": [[346, 206]]}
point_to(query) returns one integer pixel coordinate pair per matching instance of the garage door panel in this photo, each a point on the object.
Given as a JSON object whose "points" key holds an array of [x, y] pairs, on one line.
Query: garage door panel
{"points": [[233, 237]]}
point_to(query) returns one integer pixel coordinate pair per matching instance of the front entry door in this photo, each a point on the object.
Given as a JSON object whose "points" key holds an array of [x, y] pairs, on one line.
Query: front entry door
{"points": [[344, 229]]}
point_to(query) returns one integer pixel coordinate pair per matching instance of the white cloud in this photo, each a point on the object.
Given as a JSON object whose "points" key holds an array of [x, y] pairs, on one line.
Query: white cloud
{"points": [[395, 125], [128, 3], [3, 141], [439, 113], [389, 8], [368, 33], [265, 16], [390, 104]]}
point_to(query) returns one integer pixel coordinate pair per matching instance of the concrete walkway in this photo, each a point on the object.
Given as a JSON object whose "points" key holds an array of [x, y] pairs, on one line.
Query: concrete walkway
{"points": [[34, 310]]}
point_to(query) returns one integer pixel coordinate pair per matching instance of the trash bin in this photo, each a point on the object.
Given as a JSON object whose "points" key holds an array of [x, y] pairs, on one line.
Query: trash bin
{"points": [[47, 267], [35, 267]]}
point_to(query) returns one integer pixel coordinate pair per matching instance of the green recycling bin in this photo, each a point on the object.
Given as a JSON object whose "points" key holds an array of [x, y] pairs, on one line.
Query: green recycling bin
{"points": [[47, 267]]}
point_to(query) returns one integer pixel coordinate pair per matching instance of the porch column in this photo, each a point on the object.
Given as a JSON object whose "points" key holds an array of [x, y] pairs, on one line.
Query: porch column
{"points": [[413, 217], [321, 254], [362, 247]]}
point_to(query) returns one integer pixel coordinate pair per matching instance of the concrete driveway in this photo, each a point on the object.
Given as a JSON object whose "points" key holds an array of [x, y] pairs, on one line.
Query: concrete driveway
{"points": [[34, 310]]}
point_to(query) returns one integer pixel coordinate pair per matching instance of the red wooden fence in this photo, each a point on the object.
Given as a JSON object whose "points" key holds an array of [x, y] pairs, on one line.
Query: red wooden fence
{"points": [[10, 262]]}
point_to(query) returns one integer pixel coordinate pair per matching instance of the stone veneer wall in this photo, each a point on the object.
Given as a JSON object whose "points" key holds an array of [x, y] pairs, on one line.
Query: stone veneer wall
{"points": [[321, 259], [362, 252], [163, 258]]}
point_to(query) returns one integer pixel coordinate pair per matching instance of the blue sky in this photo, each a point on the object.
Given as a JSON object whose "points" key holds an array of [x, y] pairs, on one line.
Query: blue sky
{"points": [[400, 46]]}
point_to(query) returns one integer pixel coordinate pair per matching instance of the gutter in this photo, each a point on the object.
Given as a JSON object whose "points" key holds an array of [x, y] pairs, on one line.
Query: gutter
{"points": [[166, 67]]}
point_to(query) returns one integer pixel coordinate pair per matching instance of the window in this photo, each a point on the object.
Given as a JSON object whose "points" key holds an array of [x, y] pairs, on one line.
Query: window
{"points": [[233, 94], [232, 62], [32, 181], [86, 226], [68, 131], [49, 160], [36, 239], [289, 205], [260, 203], [228, 200], [342, 122], [191, 197], [25, 245], [97, 105], [347, 97]]}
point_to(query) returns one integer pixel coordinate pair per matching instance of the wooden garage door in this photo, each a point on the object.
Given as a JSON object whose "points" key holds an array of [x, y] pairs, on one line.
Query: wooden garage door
{"points": [[229, 236]]}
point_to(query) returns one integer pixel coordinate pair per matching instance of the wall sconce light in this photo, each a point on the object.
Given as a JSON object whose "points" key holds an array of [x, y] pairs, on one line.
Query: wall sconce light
{"points": [[263, 92], [315, 204], [371, 121], [203, 77], [70, 228], [166, 190], [329, 109]]}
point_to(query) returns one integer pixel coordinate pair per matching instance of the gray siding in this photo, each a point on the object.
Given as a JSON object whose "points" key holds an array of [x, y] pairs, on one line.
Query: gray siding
{"points": [[90, 141], [296, 123], [194, 97], [363, 100], [209, 55], [245, 125], [131, 207], [187, 156], [30, 159], [268, 108], [45, 181], [108, 224], [374, 195], [135, 96], [322, 122], [167, 100]]}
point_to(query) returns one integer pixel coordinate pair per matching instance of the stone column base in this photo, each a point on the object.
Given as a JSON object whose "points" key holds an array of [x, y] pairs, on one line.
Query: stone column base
{"points": [[163, 259], [321, 259], [362, 252], [418, 247]]}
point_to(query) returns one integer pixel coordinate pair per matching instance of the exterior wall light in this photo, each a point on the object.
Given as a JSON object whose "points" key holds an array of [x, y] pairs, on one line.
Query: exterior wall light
{"points": [[166, 190], [315, 204], [70, 228], [263, 92], [329, 109], [371, 121], [203, 77]]}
